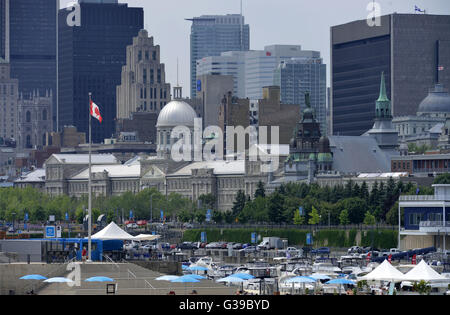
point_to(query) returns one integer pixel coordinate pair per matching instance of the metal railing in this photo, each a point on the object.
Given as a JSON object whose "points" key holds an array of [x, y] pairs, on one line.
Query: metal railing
{"points": [[434, 224], [420, 198]]}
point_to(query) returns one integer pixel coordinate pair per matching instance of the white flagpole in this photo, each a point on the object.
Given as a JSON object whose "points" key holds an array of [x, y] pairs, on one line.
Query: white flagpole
{"points": [[90, 184]]}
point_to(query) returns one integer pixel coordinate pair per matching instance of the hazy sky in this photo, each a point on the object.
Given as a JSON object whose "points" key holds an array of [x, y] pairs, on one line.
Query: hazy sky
{"points": [[297, 22]]}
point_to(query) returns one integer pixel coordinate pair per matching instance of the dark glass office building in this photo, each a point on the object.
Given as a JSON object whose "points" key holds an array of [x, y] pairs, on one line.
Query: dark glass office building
{"points": [[409, 48], [91, 57], [28, 40]]}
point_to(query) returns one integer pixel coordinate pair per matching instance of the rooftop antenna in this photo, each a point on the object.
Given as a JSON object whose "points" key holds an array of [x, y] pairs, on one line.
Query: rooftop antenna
{"points": [[177, 73]]}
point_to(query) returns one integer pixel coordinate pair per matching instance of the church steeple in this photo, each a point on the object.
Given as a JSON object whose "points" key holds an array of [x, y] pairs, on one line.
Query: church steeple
{"points": [[383, 104]]}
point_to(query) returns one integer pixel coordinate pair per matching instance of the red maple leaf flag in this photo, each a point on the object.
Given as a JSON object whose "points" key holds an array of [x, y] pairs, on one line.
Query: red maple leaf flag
{"points": [[95, 112]]}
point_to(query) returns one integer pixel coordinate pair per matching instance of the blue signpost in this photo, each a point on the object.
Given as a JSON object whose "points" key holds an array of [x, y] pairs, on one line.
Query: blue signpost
{"points": [[162, 215], [208, 215], [203, 237], [50, 232], [131, 214], [254, 238], [300, 211], [309, 239]]}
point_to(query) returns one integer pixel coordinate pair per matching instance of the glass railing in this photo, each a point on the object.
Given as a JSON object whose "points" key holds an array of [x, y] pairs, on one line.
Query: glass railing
{"points": [[420, 198]]}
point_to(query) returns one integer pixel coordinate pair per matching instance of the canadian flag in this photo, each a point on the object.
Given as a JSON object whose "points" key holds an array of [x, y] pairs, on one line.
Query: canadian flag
{"points": [[95, 112]]}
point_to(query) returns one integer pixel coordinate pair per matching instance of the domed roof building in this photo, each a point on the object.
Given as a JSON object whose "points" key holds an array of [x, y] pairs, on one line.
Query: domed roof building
{"points": [[176, 113], [437, 103], [425, 127]]}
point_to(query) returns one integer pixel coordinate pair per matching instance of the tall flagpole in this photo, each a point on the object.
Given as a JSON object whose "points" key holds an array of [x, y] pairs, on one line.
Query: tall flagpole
{"points": [[90, 184]]}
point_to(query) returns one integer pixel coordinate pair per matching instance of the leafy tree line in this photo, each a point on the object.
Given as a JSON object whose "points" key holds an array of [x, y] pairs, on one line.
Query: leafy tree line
{"points": [[340, 205], [15, 202]]}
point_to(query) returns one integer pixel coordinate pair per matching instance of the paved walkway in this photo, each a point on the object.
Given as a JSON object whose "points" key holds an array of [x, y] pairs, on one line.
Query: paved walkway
{"points": [[133, 280]]}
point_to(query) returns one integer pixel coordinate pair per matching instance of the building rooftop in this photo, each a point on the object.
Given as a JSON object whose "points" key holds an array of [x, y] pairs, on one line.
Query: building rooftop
{"points": [[36, 176]]}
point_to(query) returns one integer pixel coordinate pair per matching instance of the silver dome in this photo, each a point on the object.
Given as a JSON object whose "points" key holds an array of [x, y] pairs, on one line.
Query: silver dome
{"points": [[176, 113], [437, 101]]}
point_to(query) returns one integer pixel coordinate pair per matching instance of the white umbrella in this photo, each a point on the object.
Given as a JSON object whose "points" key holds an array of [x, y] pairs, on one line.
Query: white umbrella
{"points": [[231, 279], [58, 280]]}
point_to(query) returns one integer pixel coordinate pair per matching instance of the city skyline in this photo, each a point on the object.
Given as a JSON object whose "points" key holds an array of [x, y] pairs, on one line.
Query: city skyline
{"points": [[287, 24]]}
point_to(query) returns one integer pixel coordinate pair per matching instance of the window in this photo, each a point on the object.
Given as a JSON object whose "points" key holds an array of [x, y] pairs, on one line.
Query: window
{"points": [[28, 117], [44, 115]]}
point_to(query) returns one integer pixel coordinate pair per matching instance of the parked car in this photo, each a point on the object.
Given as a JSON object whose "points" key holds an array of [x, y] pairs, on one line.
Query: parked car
{"points": [[250, 249], [188, 226], [213, 245], [321, 250], [187, 246], [237, 246], [132, 226], [355, 250], [292, 251]]}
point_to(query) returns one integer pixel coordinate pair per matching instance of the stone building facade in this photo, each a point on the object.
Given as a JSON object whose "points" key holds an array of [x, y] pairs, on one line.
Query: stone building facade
{"points": [[9, 96], [144, 87], [34, 119]]}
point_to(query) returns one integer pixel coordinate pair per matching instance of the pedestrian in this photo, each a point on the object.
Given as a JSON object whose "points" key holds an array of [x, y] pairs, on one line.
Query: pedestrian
{"points": [[83, 254]]}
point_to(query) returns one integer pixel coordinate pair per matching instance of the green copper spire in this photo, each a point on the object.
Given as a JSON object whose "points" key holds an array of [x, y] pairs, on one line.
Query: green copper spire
{"points": [[383, 104], [383, 95]]}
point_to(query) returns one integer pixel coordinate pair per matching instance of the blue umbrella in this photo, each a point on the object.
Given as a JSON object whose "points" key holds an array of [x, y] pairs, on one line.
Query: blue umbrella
{"points": [[319, 276], [197, 268], [244, 276], [185, 279], [198, 277], [99, 279], [184, 267], [167, 278], [33, 277], [340, 281]]}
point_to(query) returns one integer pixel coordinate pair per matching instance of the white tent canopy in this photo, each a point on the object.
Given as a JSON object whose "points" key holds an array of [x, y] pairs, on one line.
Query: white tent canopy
{"points": [[424, 272], [112, 232], [147, 237], [384, 272]]}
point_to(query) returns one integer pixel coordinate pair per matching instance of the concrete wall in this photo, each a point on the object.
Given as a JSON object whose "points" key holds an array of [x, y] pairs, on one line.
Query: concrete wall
{"points": [[165, 267], [10, 274]]}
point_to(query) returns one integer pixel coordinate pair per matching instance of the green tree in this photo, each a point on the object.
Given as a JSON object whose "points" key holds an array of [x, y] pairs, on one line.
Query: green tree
{"points": [[442, 179], [217, 216], [298, 219], [208, 201], [314, 217], [200, 216], [369, 219], [343, 218], [275, 208], [260, 190], [239, 203]]}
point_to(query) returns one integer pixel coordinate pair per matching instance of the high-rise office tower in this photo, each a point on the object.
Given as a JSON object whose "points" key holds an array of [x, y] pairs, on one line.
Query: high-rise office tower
{"points": [[261, 64], [91, 57], [213, 34], [413, 50], [297, 76], [28, 43], [144, 87], [8, 103], [228, 63]]}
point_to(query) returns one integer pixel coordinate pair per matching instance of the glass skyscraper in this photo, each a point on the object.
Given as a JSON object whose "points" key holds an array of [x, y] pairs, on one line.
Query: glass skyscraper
{"points": [[28, 43], [213, 34], [297, 76], [91, 57]]}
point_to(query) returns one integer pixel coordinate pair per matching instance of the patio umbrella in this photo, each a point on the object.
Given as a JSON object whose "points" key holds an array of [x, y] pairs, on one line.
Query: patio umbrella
{"points": [[197, 268], [33, 277], [184, 267], [58, 280], [319, 276], [198, 277], [185, 279], [302, 279], [167, 278], [99, 279], [340, 281]]}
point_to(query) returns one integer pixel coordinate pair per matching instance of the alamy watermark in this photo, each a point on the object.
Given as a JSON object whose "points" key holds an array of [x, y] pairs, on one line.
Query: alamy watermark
{"points": [[374, 17], [74, 17], [208, 145]]}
